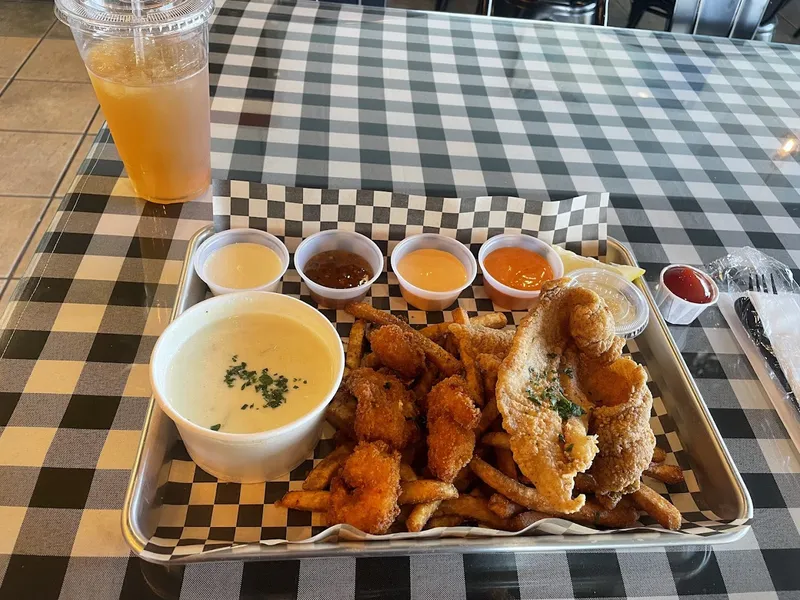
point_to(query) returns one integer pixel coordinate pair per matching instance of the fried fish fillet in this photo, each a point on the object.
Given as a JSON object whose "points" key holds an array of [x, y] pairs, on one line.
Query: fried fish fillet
{"points": [[566, 361], [621, 421], [365, 494], [385, 409], [452, 424], [398, 349], [548, 430]]}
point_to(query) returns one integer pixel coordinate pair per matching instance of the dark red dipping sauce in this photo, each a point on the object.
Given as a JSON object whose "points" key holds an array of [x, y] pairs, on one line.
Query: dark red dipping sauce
{"points": [[689, 284]]}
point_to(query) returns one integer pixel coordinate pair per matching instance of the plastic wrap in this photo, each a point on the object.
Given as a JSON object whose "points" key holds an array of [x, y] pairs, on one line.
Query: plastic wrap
{"points": [[760, 300]]}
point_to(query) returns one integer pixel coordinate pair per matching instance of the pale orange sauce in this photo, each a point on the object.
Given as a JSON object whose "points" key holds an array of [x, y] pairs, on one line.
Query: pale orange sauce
{"points": [[518, 268], [432, 270]]}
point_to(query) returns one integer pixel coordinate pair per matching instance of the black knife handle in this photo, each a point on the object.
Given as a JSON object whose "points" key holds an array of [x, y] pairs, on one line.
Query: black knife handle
{"points": [[748, 315]]}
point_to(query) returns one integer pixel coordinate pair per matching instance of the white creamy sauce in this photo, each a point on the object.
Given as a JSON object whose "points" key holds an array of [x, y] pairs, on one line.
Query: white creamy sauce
{"points": [[243, 266], [195, 379], [621, 308]]}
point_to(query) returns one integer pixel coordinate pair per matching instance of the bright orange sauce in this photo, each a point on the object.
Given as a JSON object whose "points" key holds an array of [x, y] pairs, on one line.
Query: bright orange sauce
{"points": [[432, 270], [518, 268]]}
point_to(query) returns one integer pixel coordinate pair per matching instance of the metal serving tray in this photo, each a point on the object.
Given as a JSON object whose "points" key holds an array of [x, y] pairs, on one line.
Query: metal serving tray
{"points": [[723, 490]]}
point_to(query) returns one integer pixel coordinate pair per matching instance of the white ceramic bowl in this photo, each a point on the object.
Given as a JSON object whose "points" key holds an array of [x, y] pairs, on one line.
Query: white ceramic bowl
{"points": [[335, 239], [503, 295], [245, 457], [234, 236], [675, 309], [425, 299]]}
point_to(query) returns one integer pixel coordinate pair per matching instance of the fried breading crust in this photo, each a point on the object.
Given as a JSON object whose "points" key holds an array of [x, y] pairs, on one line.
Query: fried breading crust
{"points": [[398, 349], [452, 424], [385, 409], [365, 494], [549, 450], [621, 422]]}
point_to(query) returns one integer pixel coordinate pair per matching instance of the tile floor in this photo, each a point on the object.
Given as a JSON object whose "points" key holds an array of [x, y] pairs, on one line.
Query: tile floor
{"points": [[48, 118], [49, 115]]}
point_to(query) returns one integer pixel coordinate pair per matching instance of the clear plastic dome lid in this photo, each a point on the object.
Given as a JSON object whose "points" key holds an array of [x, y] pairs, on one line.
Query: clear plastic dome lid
{"points": [[126, 17], [626, 302]]}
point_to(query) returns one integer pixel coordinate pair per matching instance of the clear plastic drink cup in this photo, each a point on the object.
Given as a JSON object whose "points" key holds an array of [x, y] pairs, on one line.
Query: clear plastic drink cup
{"points": [[148, 63]]}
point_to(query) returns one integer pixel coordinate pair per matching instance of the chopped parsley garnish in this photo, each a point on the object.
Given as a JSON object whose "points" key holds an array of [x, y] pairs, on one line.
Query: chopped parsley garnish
{"points": [[272, 387], [546, 390], [561, 438], [568, 372], [214, 427], [551, 355], [569, 447]]}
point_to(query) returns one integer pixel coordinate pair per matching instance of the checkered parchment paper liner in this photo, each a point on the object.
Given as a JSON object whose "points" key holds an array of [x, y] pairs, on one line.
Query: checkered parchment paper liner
{"points": [[200, 514]]}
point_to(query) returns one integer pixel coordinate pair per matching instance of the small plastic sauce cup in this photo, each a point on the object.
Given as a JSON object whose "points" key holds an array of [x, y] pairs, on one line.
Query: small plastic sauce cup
{"points": [[503, 295], [675, 309], [632, 313], [335, 239], [238, 236], [426, 299]]}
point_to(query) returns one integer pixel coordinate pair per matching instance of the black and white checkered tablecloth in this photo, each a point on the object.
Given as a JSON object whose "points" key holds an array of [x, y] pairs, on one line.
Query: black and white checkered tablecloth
{"points": [[686, 134]]}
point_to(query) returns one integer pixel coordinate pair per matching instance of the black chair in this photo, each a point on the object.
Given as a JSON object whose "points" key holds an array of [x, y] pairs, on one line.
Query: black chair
{"points": [[744, 19], [582, 12]]}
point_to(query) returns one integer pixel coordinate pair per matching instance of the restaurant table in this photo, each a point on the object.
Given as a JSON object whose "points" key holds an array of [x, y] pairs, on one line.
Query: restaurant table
{"points": [[692, 137]]}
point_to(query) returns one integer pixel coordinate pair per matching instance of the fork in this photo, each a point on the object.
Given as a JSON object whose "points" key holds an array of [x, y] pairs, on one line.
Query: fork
{"points": [[748, 315]]}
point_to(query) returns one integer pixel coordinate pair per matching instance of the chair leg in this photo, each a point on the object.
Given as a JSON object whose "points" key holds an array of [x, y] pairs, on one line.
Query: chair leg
{"points": [[638, 8], [441, 5], [796, 34]]}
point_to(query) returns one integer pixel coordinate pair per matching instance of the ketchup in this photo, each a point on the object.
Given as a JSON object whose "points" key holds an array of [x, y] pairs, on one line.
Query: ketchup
{"points": [[689, 284]]}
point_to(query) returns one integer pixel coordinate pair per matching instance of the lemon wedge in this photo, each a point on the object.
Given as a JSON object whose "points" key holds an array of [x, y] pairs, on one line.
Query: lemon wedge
{"points": [[573, 262]]}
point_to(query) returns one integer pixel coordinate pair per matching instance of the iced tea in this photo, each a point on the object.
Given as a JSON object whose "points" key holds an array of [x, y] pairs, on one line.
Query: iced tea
{"points": [[155, 98]]}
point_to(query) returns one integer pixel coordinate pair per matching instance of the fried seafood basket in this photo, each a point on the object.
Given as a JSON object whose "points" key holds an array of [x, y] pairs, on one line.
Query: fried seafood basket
{"points": [[175, 512]]}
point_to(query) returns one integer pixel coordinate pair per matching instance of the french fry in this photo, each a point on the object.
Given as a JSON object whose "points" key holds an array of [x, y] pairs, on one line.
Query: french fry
{"points": [[407, 473], [436, 332], [529, 517], [651, 502], [444, 521], [420, 515], [489, 365], [460, 316], [341, 412], [449, 344], [659, 455], [444, 361], [511, 489], [591, 513], [505, 462], [497, 439], [472, 375], [669, 474], [314, 501], [495, 320], [421, 491], [320, 476], [471, 507], [355, 345], [503, 507], [371, 361], [489, 414]]}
